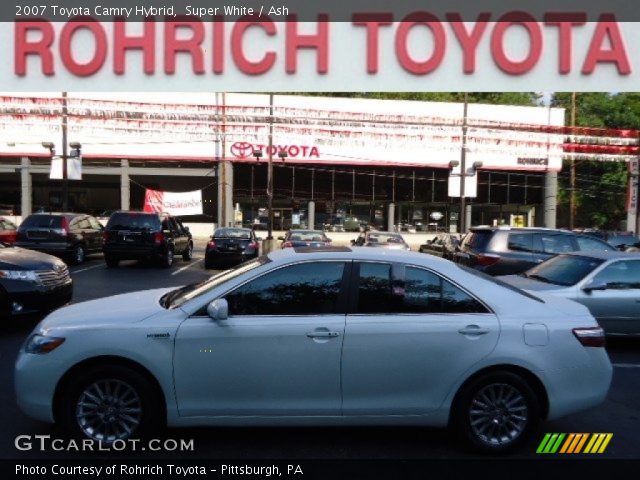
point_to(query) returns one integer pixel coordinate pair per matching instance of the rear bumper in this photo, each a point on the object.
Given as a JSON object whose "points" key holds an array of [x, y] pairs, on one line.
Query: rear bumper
{"points": [[216, 256], [133, 252], [57, 248]]}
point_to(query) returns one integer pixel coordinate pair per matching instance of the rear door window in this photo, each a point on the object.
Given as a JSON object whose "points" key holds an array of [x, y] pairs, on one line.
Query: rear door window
{"points": [[375, 293], [553, 243], [586, 244], [521, 242]]}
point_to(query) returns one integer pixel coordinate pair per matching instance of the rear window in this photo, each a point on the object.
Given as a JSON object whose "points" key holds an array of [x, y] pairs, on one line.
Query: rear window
{"points": [[491, 279], [42, 221], [134, 221], [232, 233], [478, 240]]}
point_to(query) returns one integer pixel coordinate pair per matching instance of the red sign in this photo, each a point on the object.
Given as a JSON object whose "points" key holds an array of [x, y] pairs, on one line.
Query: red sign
{"points": [[244, 150]]}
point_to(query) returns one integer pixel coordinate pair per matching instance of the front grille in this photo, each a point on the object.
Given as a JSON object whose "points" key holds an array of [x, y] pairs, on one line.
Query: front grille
{"points": [[54, 278]]}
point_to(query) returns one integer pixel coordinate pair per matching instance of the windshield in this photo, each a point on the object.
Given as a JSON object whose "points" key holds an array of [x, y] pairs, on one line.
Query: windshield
{"points": [[384, 238], [181, 295], [306, 236], [623, 240], [232, 233], [565, 270]]}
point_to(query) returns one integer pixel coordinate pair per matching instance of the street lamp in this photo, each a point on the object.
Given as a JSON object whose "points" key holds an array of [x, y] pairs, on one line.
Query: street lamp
{"points": [[257, 154], [50, 146], [282, 154]]}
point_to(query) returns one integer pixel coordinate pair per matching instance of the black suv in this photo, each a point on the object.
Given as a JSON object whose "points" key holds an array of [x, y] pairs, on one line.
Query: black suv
{"points": [[68, 235], [507, 251], [143, 236]]}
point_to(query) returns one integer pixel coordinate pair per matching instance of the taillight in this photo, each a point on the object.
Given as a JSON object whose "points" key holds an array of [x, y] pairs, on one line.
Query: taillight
{"points": [[485, 259], [105, 236], [253, 245], [211, 244], [64, 231], [158, 238], [287, 245], [590, 336]]}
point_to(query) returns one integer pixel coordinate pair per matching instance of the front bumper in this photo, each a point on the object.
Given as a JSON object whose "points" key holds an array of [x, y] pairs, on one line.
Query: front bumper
{"points": [[29, 297]]}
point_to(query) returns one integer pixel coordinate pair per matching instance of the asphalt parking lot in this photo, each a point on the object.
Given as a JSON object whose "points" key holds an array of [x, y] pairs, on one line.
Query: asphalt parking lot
{"points": [[620, 414]]}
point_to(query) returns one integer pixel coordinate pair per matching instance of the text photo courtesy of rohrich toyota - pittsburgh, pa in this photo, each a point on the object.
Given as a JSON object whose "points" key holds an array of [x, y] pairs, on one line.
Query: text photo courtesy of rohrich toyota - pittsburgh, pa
{"points": [[234, 247]]}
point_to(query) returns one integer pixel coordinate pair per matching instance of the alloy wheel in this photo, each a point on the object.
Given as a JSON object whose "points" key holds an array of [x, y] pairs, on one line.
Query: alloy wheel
{"points": [[109, 410], [498, 414]]}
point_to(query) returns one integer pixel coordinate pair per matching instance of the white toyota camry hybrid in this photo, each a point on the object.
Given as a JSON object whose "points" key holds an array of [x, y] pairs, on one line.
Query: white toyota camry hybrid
{"points": [[328, 336]]}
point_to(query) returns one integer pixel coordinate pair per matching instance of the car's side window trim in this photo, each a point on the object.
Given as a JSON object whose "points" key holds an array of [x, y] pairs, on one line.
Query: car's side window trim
{"points": [[343, 295]]}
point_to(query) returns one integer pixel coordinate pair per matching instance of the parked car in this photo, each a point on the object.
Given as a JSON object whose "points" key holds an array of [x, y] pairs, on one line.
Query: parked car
{"points": [[442, 245], [71, 236], [621, 240], [326, 336], [146, 236], [8, 231], [304, 238], [507, 251], [608, 283], [393, 241], [32, 282], [231, 246]]}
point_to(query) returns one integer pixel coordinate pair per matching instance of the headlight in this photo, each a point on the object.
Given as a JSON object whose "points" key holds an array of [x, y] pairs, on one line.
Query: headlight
{"points": [[42, 344], [26, 275]]}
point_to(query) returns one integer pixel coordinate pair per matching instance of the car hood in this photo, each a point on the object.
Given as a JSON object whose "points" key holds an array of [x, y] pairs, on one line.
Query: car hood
{"points": [[115, 310], [14, 258], [525, 283]]}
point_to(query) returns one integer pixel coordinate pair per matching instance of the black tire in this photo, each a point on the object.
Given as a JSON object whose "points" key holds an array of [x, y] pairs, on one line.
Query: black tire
{"points": [[112, 262], [188, 253], [142, 404], [78, 255], [167, 258], [509, 433]]}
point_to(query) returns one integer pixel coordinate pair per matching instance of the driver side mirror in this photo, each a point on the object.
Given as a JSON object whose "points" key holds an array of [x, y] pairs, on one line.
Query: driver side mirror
{"points": [[218, 309], [591, 286], [353, 243]]}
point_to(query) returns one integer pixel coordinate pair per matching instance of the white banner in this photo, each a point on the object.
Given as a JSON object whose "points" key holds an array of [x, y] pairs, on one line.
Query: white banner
{"points": [[174, 203]]}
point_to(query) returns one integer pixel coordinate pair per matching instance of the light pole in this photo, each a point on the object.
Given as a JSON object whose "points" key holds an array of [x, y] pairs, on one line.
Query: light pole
{"points": [[463, 165]]}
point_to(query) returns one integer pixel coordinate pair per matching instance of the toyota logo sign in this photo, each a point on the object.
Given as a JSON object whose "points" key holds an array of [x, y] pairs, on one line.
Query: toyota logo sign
{"points": [[242, 150]]}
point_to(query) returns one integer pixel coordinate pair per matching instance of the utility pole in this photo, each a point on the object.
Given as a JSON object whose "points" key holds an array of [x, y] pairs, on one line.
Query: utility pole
{"points": [[270, 170], [572, 197], [463, 165], [65, 175]]}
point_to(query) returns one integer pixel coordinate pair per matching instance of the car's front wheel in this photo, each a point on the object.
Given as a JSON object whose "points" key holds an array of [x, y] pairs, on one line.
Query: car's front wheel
{"points": [[78, 254], [496, 412], [110, 403]]}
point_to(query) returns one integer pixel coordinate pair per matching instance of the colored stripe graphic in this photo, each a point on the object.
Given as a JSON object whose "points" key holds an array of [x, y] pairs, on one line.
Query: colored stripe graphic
{"points": [[573, 443]]}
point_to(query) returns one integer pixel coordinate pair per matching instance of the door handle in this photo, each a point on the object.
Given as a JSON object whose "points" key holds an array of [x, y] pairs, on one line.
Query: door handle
{"points": [[474, 330], [323, 334]]}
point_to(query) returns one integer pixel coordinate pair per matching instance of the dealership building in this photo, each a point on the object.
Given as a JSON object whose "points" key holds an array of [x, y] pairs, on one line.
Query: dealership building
{"points": [[335, 160]]}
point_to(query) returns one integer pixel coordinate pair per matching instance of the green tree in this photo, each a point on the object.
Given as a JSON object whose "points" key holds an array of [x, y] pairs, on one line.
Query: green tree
{"points": [[600, 185]]}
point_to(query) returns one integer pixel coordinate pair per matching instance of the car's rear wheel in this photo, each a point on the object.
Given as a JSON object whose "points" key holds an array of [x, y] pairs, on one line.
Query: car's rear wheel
{"points": [[110, 403], [496, 412], [167, 258], [112, 262], [188, 253]]}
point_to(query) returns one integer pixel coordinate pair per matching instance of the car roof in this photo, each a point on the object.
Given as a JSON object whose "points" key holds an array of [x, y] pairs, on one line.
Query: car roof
{"points": [[354, 253], [507, 228], [606, 255]]}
